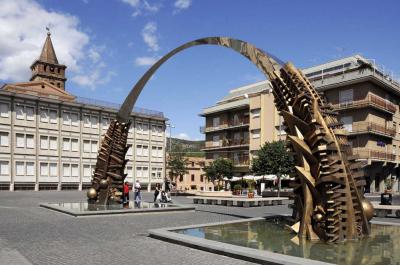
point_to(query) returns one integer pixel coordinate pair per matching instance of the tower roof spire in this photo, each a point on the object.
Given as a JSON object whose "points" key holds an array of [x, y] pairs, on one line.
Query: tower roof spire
{"points": [[48, 54]]}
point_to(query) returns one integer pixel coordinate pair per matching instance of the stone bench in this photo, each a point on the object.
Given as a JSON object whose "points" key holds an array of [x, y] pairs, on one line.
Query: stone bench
{"points": [[384, 210], [239, 201]]}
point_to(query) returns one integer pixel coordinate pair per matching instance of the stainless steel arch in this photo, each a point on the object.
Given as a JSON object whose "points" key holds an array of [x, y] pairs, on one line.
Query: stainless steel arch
{"points": [[265, 62], [329, 203]]}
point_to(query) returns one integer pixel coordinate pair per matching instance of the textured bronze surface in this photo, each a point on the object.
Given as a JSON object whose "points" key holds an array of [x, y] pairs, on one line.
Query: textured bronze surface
{"points": [[329, 202]]}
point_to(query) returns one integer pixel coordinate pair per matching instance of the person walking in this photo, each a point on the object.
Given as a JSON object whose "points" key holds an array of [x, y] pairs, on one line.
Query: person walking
{"points": [[138, 196], [156, 192], [126, 193]]}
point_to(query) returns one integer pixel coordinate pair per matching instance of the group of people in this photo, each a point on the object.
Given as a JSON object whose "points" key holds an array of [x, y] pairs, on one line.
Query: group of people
{"points": [[159, 194], [137, 194]]}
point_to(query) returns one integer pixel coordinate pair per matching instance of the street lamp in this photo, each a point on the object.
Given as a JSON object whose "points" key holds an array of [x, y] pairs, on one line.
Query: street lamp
{"points": [[170, 148], [170, 136]]}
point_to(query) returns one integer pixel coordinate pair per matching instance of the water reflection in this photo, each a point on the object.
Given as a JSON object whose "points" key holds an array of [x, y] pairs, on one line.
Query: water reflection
{"points": [[84, 206], [382, 247]]}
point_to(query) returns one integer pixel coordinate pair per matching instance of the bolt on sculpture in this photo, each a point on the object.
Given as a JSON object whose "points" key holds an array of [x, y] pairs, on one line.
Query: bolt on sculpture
{"points": [[329, 202]]}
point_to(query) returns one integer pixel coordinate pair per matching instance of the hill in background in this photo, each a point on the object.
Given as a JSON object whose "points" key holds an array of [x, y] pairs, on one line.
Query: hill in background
{"points": [[192, 148]]}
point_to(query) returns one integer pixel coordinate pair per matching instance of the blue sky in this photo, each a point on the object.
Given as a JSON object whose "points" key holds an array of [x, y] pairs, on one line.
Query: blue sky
{"points": [[108, 44]]}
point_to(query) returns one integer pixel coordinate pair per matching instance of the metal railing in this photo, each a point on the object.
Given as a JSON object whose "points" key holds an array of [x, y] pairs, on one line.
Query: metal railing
{"points": [[365, 153], [225, 126], [116, 106], [360, 127], [227, 143], [370, 100]]}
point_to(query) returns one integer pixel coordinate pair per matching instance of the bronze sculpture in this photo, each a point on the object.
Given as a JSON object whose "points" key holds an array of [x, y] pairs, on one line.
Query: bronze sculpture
{"points": [[329, 203]]}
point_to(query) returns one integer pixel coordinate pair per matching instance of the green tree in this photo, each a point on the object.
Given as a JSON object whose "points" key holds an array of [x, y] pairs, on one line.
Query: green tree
{"points": [[219, 169], [273, 158], [177, 162]]}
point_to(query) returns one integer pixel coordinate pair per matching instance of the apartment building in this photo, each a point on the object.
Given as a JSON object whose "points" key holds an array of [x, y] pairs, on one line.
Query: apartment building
{"points": [[367, 101], [239, 124], [194, 179], [49, 139]]}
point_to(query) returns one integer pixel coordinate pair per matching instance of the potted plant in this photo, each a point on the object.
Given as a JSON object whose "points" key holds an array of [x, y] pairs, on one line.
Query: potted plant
{"points": [[250, 188], [237, 189]]}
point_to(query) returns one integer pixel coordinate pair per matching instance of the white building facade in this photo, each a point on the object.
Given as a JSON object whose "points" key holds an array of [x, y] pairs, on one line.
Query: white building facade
{"points": [[49, 139]]}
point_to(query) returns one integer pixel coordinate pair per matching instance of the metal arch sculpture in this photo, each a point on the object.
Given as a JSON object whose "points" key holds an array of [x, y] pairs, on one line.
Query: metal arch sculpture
{"points": [[329, 202]]}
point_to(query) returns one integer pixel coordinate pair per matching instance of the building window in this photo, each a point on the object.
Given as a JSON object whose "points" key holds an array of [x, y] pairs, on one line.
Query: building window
{"points": [[74, 145], [156, 173], [70, 170], [24, 168], [156, 130], [70, 144], [90, 121], [216, 122], [105, 122], [142, 172], [44, 142], [256, 133], [19, 168], [347, 122], [192, 177], [44, 169], [25, 140], [30, 113], [3, 138], [53, 143], [4, 108], [345, 96], [201, 178], [90, 146], [192, 164], [142, 150], [70, 118], [128, 171], [129, 151], [48, 115], [4, 168], [215, 140], [255, 113], [53, 169], [181, 178], [88, 170], [23, 112], [142, 128]]}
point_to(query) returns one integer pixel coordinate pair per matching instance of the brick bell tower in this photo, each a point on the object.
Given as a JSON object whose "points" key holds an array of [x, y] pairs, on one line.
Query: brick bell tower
{"points": [[47, 68]]}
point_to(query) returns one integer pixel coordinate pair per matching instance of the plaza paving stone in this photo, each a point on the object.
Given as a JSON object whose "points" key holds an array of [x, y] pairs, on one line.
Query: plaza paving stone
{"points": [[30, 234]]}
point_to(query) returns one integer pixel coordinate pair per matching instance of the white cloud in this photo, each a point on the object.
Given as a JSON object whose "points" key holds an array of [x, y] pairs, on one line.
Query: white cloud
{"points": [[94, 78], [149, 34], [145, 61], [141, 7], [181, 4], [22, 31]]}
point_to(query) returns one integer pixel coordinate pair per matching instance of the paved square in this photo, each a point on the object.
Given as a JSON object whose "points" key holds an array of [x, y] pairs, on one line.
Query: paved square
{"points": [[30, 234]]}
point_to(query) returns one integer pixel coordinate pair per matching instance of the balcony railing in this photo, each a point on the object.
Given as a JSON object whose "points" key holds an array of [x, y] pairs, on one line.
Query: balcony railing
{"points": [[240, 162], [373, 154], [370, 100], [227, 143], [225, 126], [370, 127]]}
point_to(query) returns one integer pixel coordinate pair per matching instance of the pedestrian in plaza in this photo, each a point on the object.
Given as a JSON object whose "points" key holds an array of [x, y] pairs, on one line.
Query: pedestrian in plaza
{"points": [[138, 196], [126, 193], [156, 192]]}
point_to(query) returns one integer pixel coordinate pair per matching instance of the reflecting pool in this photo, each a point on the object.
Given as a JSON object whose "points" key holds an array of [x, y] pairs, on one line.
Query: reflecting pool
{"points": [[381, 247]]}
